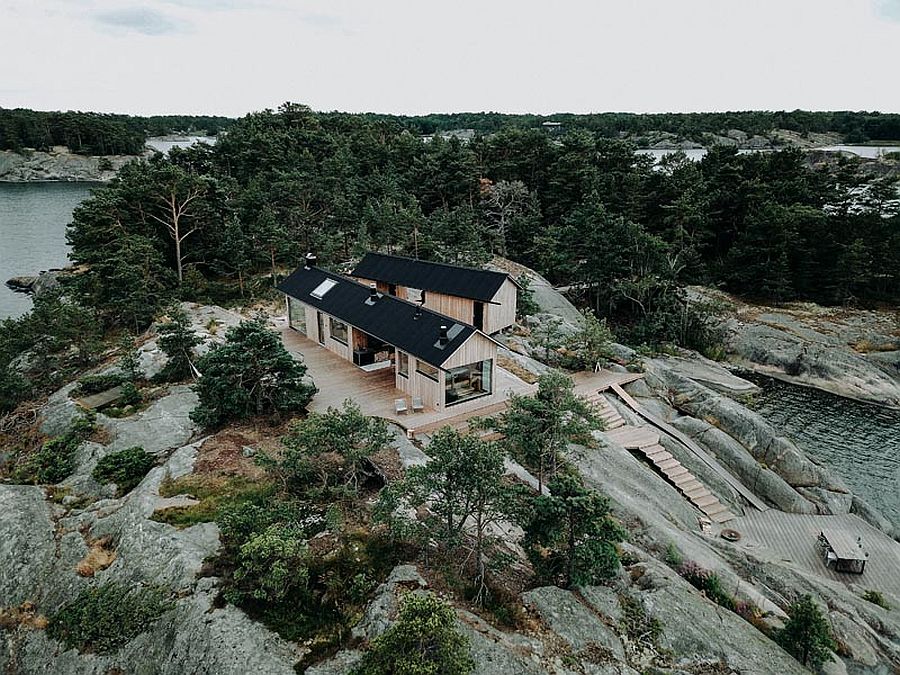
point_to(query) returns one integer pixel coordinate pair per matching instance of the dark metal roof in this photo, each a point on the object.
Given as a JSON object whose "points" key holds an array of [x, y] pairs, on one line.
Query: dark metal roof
{"points": [[407, 326], [464, 282]]}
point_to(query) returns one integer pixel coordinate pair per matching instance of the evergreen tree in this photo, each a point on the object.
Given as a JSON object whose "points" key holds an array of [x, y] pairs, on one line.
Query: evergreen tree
{"points": [[806, 635], [177, 339], [423, 641], [250, 374], [570, 537]]}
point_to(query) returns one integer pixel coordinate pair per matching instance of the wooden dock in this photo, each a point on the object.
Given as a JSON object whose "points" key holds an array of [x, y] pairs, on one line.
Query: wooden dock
{"points": [[790, 538], [646, 441]]}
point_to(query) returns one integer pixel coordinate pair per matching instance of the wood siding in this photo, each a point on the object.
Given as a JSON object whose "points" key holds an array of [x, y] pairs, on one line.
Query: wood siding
{"points": [[503, 314], [431, 392], [312, 331], [496, 316], [476, 348]]}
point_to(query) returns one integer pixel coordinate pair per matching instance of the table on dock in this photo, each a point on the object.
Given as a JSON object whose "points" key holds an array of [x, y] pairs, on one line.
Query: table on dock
{"points": [[848, 553]]}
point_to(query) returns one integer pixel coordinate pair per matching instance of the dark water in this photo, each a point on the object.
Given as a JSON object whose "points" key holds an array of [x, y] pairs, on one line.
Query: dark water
{"points": [[860, 442], [33, 219]]}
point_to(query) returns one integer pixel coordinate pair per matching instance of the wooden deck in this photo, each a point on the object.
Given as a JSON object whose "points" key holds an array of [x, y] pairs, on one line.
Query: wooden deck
{"points": [[374, 392], [790, 538]]}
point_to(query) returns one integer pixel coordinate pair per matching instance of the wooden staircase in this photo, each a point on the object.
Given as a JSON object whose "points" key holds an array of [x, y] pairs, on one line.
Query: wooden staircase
{"points": [[646, 441]]}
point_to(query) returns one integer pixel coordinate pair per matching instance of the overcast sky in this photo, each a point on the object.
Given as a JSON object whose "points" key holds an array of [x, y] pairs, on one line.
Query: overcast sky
{"points": [[416, 56]]}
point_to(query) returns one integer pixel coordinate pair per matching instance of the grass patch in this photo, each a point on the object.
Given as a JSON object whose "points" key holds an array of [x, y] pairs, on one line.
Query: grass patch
{"points": [[103, 618], [214, 493]]}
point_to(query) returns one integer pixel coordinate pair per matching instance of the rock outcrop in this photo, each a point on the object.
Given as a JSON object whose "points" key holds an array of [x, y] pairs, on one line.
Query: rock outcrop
{"points": [[59, 165]]}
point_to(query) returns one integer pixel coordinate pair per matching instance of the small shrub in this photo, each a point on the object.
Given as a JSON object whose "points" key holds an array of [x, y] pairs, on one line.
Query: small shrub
{"points": [[423, 640], [876, 598], [103, 618], [126, 468], [707, 581], [130, 395], [55, 460], [673, 557], [806, 635], [94, 384], [215, 494]]}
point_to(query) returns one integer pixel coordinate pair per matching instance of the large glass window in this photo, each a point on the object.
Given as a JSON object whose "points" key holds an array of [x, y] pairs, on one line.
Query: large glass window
{"points": [[297, 315], [427, 370], [403, 363], [339, 330], [468, 382]]}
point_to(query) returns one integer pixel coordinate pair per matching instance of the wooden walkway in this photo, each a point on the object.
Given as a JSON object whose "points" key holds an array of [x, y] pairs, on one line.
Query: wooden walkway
{"points": [[646, 442], [704, 456], [790, 538]]}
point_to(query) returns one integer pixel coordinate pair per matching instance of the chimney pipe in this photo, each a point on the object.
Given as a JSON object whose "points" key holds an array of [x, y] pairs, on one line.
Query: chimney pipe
{"points": [[310, 260], [443, 339]]}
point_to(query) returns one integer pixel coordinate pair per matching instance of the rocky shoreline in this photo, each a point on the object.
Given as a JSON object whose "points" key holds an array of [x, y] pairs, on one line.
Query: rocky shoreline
{"points": [[59, 165]]}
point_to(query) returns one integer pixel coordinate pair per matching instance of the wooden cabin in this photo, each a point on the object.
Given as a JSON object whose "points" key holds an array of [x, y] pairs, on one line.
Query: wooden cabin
{"points": [[483, 299], [435, 357]]}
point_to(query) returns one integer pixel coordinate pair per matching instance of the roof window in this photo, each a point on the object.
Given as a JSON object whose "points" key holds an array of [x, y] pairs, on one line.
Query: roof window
{"points": [[319, 291]]}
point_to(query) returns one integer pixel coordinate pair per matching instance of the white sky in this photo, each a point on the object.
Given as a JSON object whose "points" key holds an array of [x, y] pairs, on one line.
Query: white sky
{"points": [[416, 56]]}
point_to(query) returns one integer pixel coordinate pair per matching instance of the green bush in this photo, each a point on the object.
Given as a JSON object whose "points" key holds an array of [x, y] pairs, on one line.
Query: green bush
{"points": [[876, 598], [103, 618], [55, 460], [272, 565], [126, 468], [94, 384], [251, 374], [423, 641], [806, 635]]}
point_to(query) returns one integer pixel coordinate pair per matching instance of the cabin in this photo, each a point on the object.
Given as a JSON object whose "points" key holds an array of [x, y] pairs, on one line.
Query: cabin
{"points": [[437, 358], [483, 299]]}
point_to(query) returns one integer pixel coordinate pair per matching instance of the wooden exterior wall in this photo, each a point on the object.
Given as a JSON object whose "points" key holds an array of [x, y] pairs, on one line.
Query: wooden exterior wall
{"points": [[476, 348], [500, 313], [312, 332], [503, 314], [431, 392]]}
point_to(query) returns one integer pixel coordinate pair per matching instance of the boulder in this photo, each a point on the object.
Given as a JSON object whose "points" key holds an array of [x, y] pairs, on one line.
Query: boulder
{"points": [[573, 621], [164, 425], [761, 480], [696, 629]]}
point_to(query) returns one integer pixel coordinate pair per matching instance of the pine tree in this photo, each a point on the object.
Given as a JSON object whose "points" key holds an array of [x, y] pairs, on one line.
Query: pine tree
{"points": [[806, 635]]}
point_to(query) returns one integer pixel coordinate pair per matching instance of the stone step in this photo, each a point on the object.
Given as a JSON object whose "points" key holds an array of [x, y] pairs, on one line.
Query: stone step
{"points": [[615, 424]]}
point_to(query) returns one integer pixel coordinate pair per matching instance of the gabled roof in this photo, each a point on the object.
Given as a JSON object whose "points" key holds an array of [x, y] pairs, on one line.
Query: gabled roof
{"points": [[407, 326], [464, 282]]}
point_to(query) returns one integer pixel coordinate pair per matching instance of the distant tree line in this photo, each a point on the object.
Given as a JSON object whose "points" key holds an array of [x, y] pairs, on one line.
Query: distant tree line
{"points": [[856, 127], [94, 133]]}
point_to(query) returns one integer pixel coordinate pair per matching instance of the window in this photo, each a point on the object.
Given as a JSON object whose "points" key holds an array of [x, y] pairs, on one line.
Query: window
{"points": [[297, 315], [339, 330], [319, 291], [403, 363], [468, 382], [427, 370], [414, 295]]}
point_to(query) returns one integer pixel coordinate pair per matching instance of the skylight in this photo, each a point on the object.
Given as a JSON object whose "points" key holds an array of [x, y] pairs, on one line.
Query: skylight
{"points": [[319, 291]]}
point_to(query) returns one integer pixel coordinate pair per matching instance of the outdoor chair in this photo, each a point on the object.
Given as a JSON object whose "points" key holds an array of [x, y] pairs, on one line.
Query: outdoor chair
{"points": [[400, 406], [417, 404]]}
